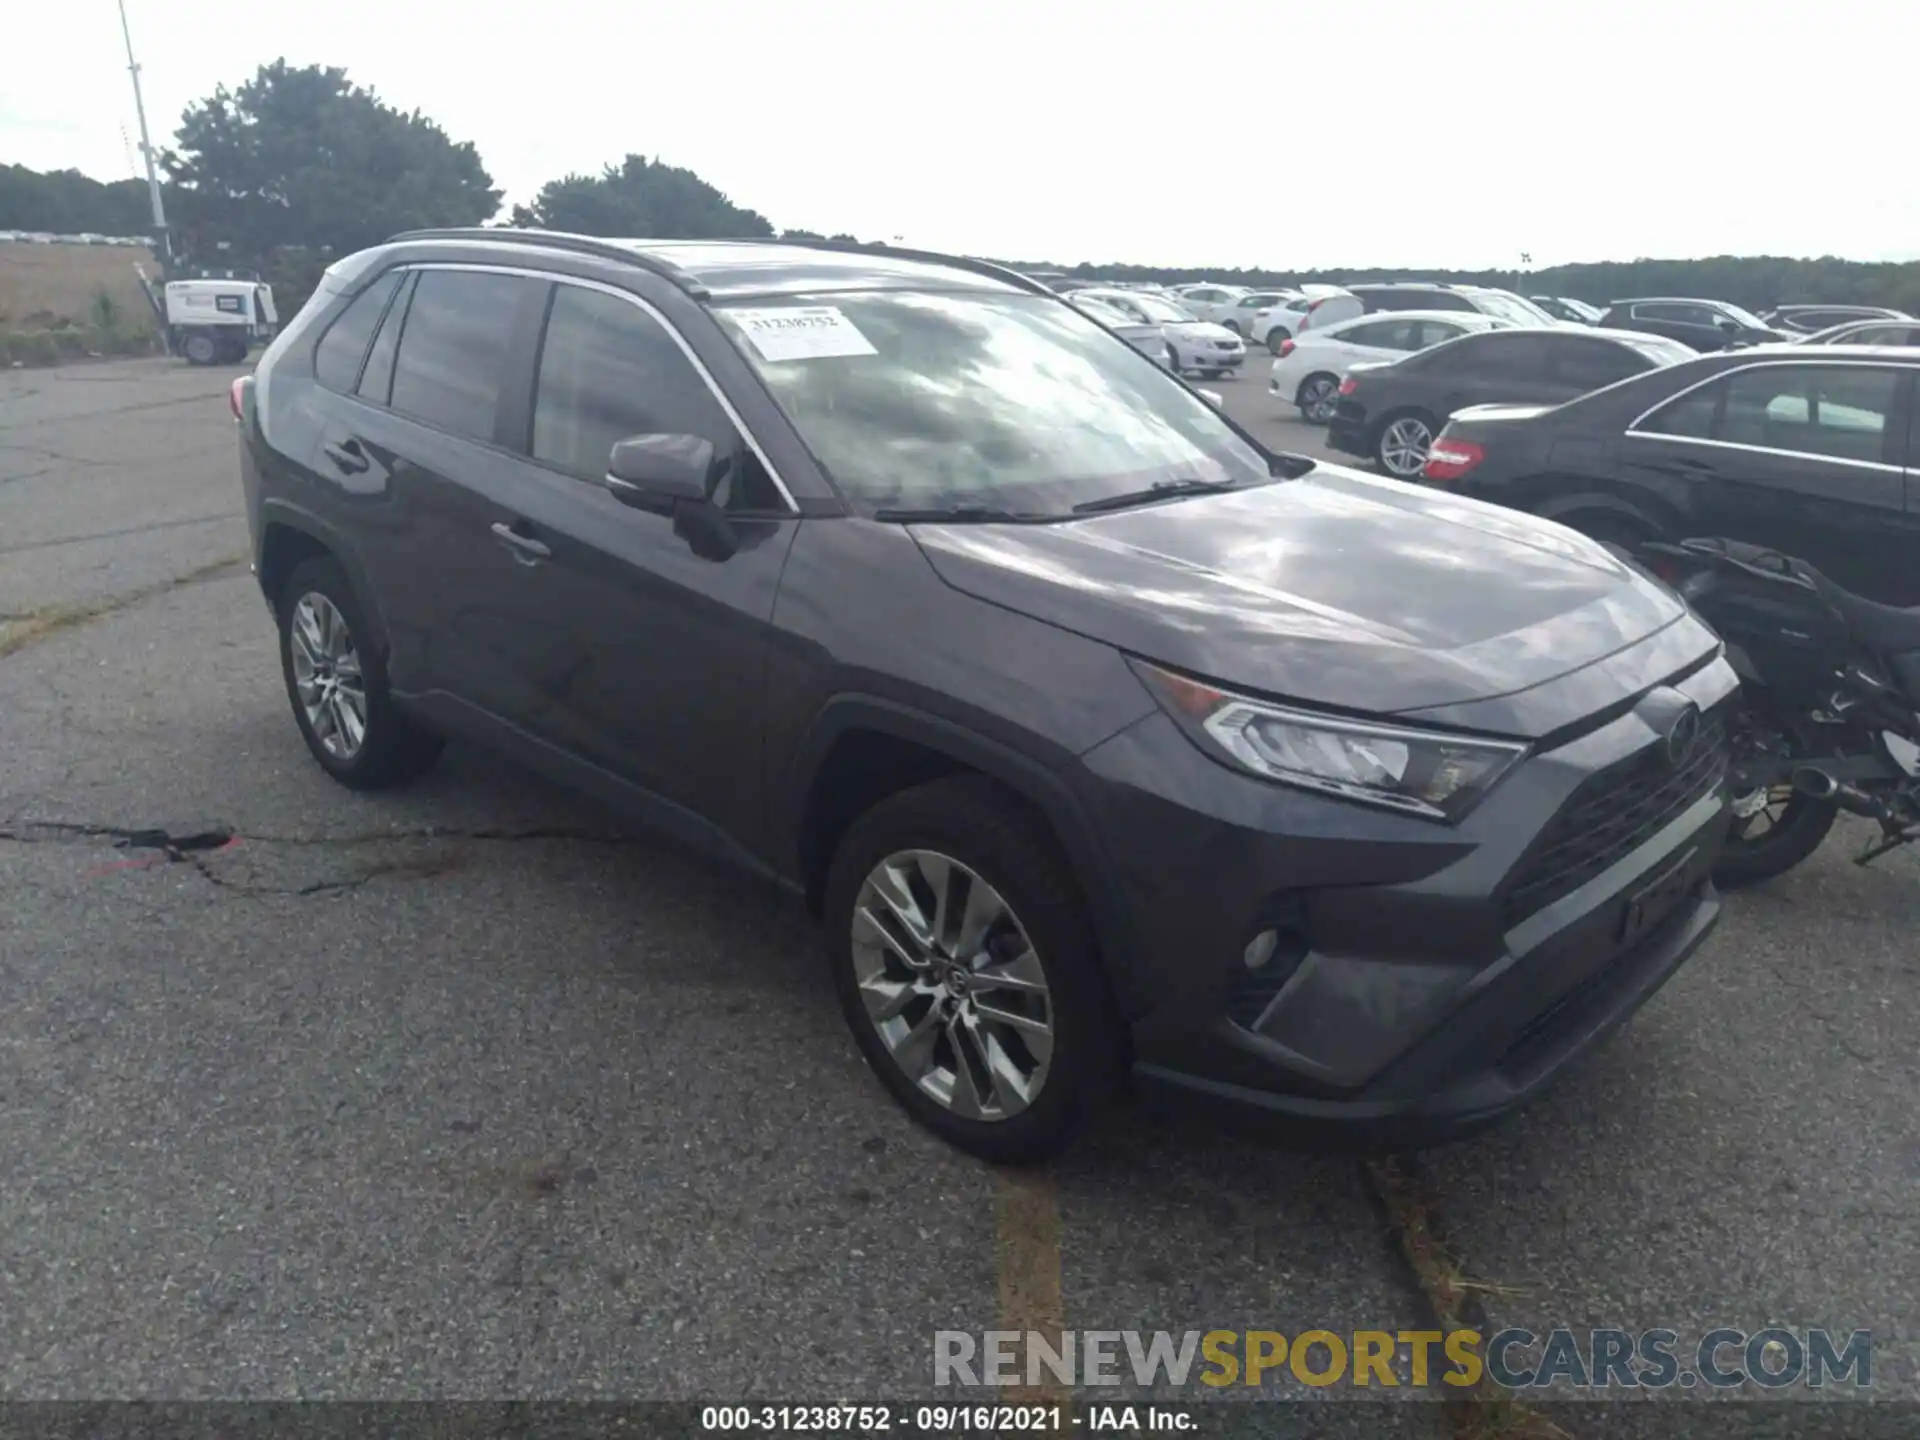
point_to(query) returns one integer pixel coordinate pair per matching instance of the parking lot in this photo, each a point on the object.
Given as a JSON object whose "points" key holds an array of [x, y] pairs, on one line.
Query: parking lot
{"points": [[465, 1091]]}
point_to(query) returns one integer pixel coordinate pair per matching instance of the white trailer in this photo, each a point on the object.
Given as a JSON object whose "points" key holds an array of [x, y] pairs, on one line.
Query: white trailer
{"points": [[214, 322]]}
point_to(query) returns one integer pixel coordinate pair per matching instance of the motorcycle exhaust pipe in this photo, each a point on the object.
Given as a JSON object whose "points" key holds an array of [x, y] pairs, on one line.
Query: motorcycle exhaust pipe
{"points": [[1812, 781]]}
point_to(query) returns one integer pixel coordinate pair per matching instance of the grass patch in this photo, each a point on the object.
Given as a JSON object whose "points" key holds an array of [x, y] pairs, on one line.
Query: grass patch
{"points": [[1412, 1210], [43, 624]]}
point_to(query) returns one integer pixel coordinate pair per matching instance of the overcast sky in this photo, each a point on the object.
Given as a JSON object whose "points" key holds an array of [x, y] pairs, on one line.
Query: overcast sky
{"points": [[1243, 132]]}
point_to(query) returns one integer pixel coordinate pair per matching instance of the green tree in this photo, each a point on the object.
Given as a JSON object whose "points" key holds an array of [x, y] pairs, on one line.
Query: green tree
{"points": [[303, 157], [65, 202], [641, 198]]}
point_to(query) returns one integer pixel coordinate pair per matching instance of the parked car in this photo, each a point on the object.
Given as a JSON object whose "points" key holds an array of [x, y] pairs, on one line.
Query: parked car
{"points": [[895, 580], [1145, 336], [1251, 310], [1701, 325], [1865, 332], [1196, 345], [1390, 413], [1565, 307], [1806, 319], [1211, 302], [1419, 295], [1806, 449], [1308, 371], [1285, 320]]}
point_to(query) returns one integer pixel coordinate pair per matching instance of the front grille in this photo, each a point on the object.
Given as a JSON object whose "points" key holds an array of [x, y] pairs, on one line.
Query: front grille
{"points": [[1228, 344], [1609, 815]]}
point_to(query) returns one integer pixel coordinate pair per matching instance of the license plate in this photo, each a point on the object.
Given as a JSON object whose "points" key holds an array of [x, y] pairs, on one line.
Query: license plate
{"points": [[1658, 898]]}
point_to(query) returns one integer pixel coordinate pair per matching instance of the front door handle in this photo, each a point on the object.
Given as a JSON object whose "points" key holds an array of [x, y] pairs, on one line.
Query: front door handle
{"points": [[346, 456], [526, 549]]}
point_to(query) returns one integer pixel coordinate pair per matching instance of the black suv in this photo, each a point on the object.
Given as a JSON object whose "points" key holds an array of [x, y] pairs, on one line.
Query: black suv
{"points": [[1703, 325], [1100, 738]]}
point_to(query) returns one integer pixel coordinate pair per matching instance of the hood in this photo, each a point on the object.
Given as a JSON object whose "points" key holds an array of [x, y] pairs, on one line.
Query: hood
{"points": [[1338, 590], [1199, 330]]}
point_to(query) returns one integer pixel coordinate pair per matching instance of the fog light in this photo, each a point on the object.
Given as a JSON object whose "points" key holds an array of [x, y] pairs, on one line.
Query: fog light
{"points": [[1260, 949]]}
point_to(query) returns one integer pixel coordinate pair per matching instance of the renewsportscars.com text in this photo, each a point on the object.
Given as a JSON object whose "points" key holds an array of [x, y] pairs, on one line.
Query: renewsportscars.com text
{"points": [[1511, 1359]]}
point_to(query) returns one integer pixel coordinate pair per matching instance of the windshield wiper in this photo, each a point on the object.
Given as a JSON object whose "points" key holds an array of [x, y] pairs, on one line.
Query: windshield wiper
{"points": [[1160, 490], [960, 514]]}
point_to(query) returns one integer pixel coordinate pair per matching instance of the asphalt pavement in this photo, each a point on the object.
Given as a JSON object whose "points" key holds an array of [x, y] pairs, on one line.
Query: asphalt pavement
{"points": [[467, 1091]]}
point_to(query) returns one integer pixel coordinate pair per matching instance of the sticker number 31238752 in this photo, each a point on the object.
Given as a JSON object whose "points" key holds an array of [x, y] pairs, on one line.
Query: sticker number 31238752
{"points": [[812, 332]]}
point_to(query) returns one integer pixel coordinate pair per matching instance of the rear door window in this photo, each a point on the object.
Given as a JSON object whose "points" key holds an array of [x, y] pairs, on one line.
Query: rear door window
{"points": [[337, 358], [376, 380], [1836, 411], [1591, 364], [455, 349], [1432, 332], [1383, 334], [1498, 355]]}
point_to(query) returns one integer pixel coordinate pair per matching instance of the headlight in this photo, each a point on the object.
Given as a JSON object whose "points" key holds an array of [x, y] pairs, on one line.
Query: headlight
{"points": [[1421, 772]]}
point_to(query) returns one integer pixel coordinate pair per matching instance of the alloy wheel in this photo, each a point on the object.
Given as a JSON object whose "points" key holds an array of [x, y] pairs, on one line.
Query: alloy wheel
{"points": [[1403, 446], [327, 675], [952, 985], [1317, 400]]}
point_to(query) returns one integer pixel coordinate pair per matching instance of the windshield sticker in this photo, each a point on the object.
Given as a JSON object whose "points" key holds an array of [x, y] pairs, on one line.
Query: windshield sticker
{"points": [[813, 332]]}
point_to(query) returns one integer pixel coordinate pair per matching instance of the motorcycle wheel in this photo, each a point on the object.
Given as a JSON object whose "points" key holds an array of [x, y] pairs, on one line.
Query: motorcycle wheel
{"points": [[1774, 828]]}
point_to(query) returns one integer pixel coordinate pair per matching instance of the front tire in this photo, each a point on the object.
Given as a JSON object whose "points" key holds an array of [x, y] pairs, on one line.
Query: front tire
{"points": [[200, 349], [337, 683], [965, 963], [1401, 447], [1317, 396]]}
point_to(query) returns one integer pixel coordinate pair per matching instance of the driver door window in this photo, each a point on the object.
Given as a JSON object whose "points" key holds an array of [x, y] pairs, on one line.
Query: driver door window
{"points": [[609, 370]]}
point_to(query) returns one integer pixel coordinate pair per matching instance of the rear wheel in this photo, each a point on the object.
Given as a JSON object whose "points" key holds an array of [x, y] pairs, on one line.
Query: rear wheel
{"points": [[1234, 325], [337, 682], [965, 963], [1317, 397], [1404, 440], [1774, 827], [200, 349], [1277, 337]]}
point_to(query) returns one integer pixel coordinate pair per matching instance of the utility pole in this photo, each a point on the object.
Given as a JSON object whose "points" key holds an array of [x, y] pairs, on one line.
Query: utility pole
{"points": [[146, 152]]}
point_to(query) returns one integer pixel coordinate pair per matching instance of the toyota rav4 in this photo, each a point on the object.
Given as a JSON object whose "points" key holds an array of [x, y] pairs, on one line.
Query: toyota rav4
{"points": [[1102, 741]]}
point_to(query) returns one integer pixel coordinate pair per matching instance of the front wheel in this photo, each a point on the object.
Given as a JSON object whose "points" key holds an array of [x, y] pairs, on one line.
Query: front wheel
{"points": [[200, 349], [1319, 394], [1774, 827], [965, 964]]}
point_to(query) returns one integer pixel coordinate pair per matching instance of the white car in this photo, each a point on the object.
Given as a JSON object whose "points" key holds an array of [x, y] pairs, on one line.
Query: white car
{"points": [[1200, 345], [1143, 335], [1310, 366], [1286, 319], [1210, 302], [1247, 313]]}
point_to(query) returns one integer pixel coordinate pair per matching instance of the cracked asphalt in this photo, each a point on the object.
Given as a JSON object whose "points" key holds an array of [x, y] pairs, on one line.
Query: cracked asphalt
{"points": [[469, 1092]]}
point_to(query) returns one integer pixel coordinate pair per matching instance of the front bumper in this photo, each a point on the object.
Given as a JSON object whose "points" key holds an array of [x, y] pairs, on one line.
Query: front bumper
{"points": [[1349, 431], [1208, 357], [1430, 982]]}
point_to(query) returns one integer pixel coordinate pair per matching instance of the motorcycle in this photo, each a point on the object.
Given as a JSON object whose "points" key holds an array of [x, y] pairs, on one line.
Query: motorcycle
{"points": [[1829, 715]]}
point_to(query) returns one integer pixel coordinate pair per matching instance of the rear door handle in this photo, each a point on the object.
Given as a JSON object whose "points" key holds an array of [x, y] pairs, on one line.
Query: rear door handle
{"points": [[346, 455], [525, 548]]}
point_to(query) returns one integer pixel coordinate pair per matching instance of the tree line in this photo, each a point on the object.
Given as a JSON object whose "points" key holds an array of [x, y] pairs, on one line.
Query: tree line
{"points": [[299, 164]]}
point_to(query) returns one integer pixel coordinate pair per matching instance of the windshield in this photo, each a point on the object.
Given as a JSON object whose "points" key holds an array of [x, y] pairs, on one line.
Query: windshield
{"points": [[1014, 402], [1745, 317], [1512, 307], [1152, 307], [1659, 349]]}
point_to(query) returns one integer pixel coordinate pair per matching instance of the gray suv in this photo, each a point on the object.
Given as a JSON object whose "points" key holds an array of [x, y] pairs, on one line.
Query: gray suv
{"points": [[1103, 741]]}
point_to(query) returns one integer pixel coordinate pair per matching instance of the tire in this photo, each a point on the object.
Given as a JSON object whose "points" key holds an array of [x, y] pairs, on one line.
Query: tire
{"points": [[1234, 325], [972, 824], [1276, 337], [200, 349], [392, 749], [1403, 427], [1804, 820], [1316, 396]]}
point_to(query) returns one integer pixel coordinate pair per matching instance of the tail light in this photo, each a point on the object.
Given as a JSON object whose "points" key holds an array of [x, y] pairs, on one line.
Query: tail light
{"points": [[1286, 348], [236, 396], [1348, 386], [1450, 459]]}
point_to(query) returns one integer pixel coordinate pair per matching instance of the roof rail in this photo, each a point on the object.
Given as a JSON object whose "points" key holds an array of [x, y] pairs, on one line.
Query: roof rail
{"points": [[987, 268], [560, 240]]}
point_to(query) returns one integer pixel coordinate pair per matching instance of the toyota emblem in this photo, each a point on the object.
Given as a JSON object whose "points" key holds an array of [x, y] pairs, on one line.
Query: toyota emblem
{"points": [[1681, 735]]}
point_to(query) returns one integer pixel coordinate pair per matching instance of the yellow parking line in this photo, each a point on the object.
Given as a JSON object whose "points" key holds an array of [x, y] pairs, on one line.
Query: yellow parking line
{"points": [[1027, 1219]]}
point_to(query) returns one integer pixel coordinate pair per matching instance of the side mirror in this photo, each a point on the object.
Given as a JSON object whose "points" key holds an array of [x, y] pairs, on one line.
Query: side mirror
{"points": [[661, 472], [675, 475]]}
